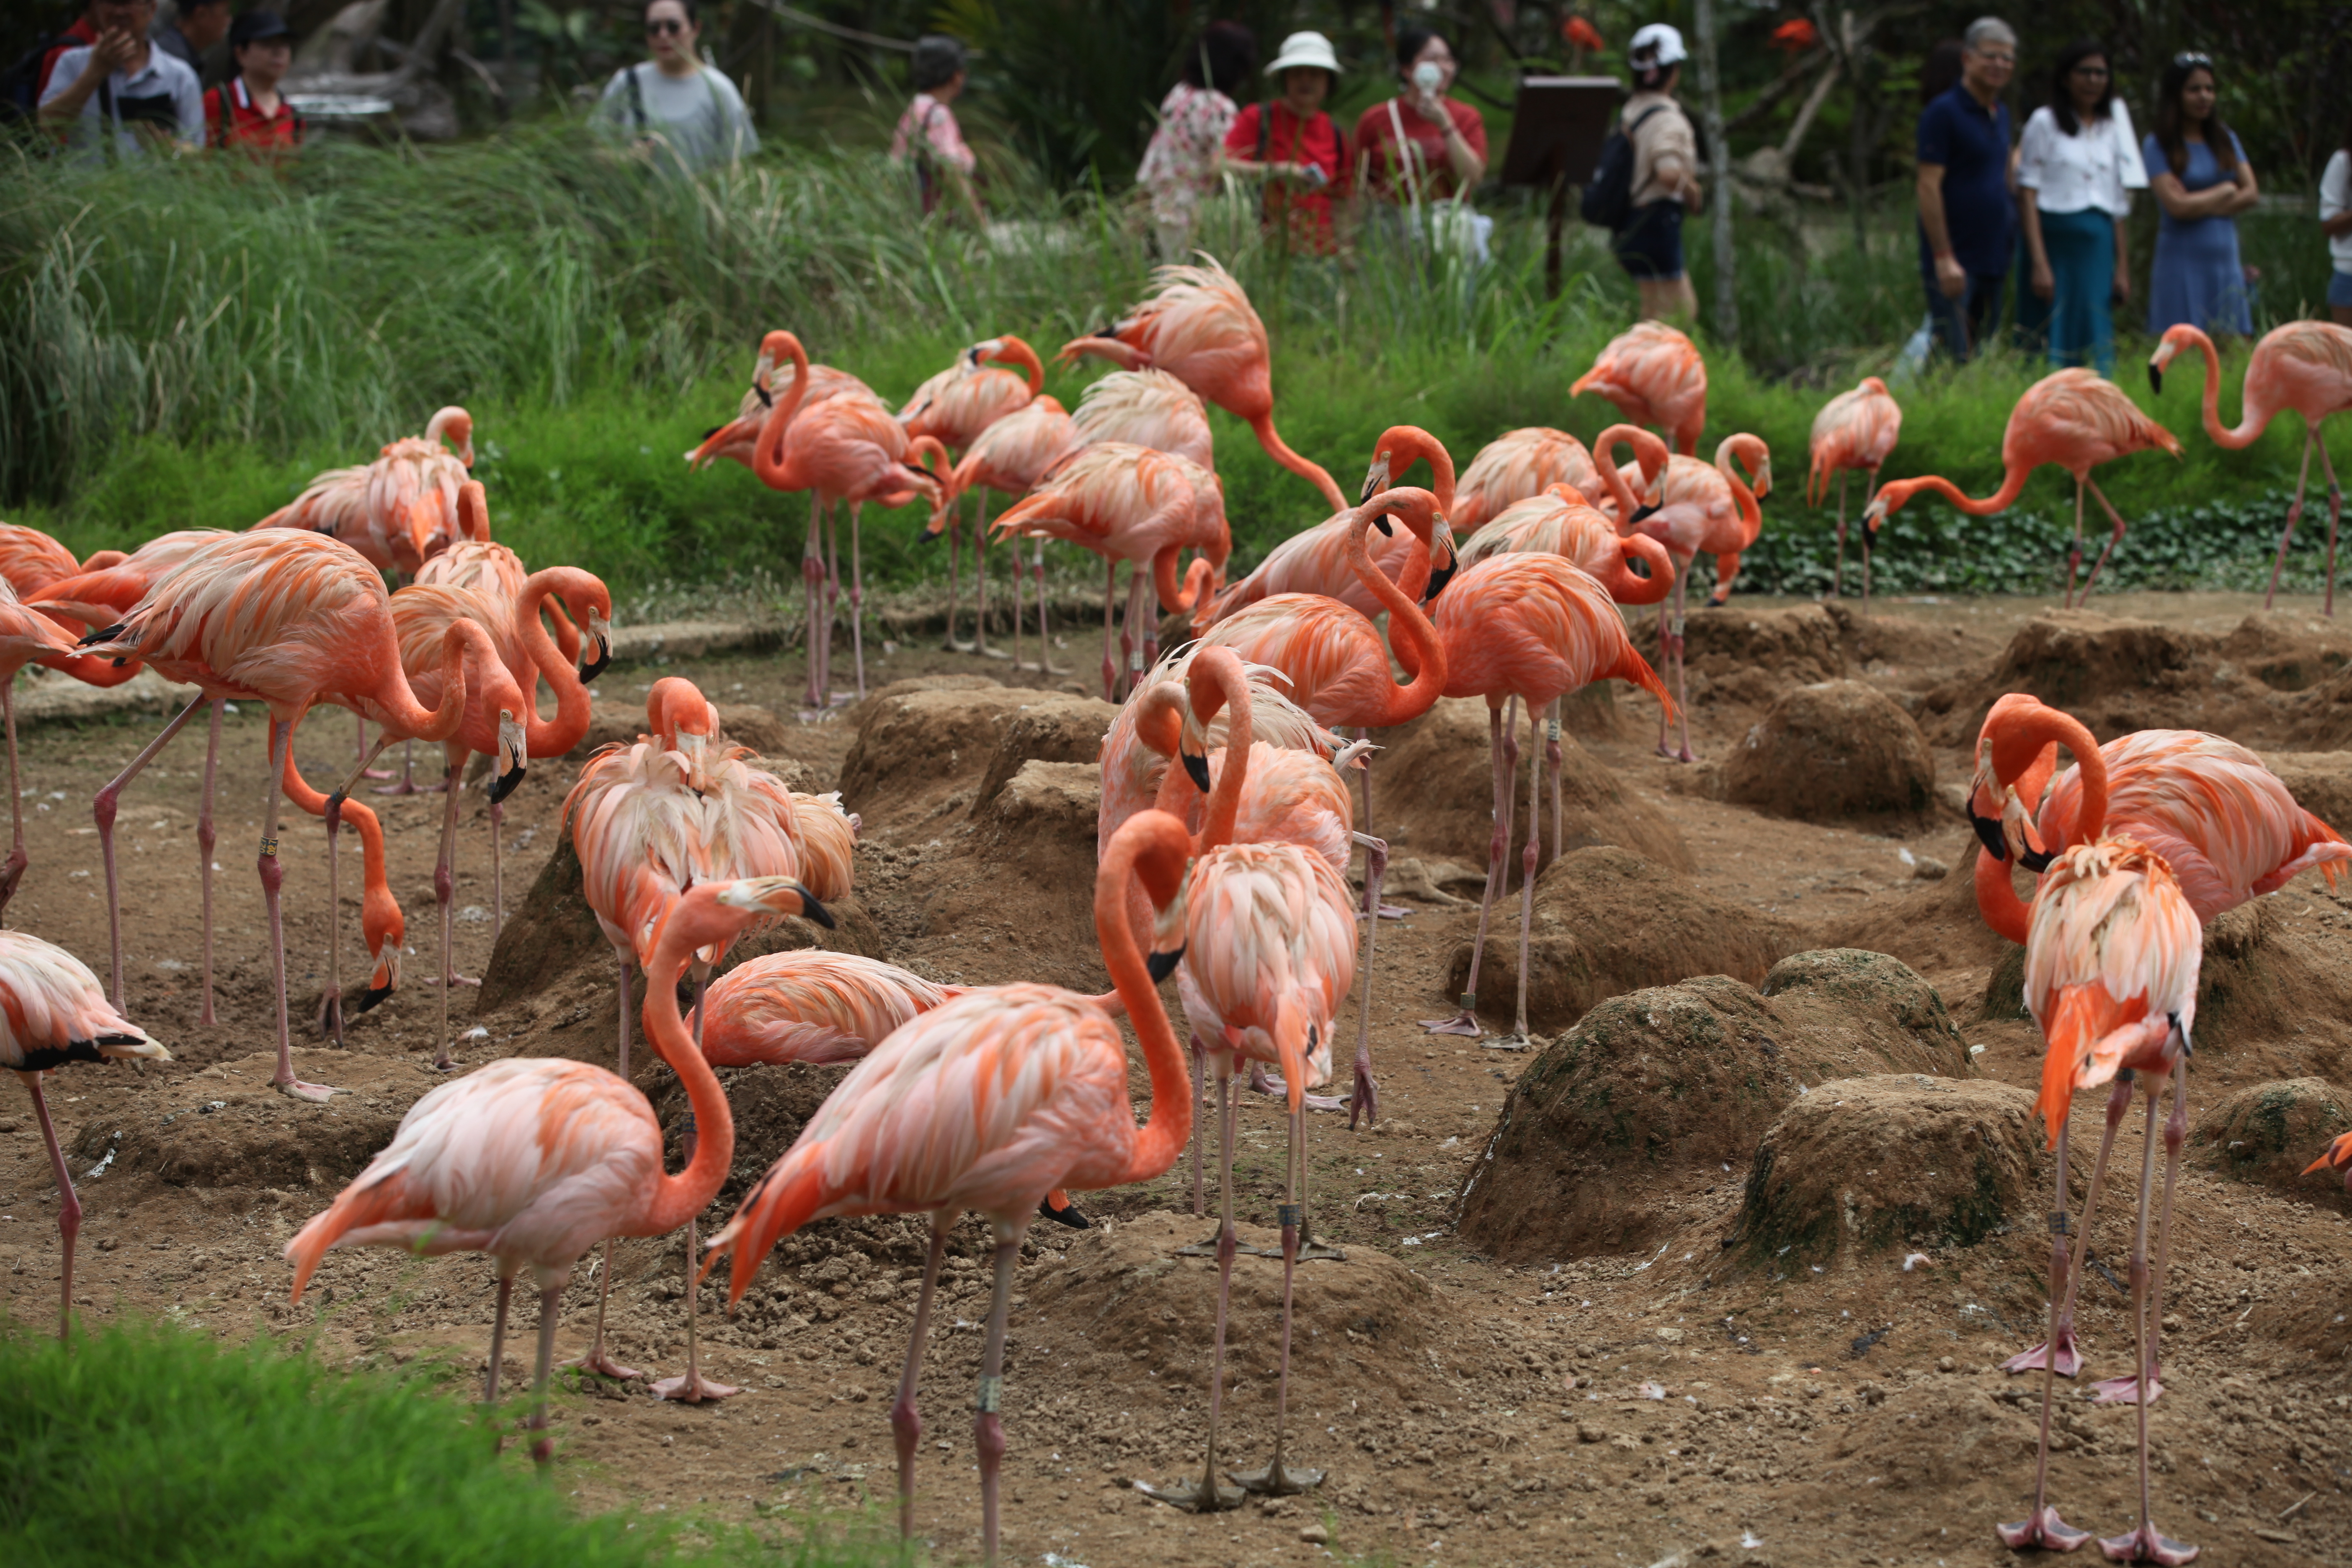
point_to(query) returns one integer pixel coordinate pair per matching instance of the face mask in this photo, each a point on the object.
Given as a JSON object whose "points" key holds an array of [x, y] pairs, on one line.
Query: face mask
{"points": [[1427, 75]]}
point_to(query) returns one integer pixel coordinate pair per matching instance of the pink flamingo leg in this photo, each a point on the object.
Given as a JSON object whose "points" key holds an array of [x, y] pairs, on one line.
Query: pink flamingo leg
{"points": [[273, 877], [1529, 858], [1111, 592], [813, 583], [205, 839], [1044, 621], [69, 1204], [2145, 1543], [1199, 1097], [2113, 539], [1278, 1479], [550, 1303], [2069, 1358], [2124, 1390], [2042, 1527], [1364, 1100], [2074, 556], [445, 893], [1866, 500], [1837, 573], [1503, 748], [498, 875], [2334, 516], [1682, 672], [102, 811], [988, 1426], [596, 1360], [2294, 516], [1371, 901], [857, 601], [1212, 1496], [955, 586], [980, 578], [497, 1345], [832, 591], [1552, 761], [693, 1388], [331, 1006], [13, 869], [906, 1421]]}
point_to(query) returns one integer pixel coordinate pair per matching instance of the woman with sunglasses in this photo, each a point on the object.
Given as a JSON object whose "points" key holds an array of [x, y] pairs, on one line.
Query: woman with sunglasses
{"points": [[674, 108], [2078, 165], [2202, 181]]}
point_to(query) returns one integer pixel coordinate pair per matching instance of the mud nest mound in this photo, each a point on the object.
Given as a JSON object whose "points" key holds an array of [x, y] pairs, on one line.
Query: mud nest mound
{"points": [[1606, 922], [2321, 783], [1832, 751], [1748, 657], [1653, 1093], [1433, 795], [1867, 1166], [1124, 1295], [240, 1139], [2268, 1132], [771, 1102], [925, 754], [1934, 926]]}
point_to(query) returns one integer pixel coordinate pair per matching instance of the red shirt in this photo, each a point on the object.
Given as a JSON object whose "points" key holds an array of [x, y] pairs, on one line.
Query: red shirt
{"points": [[1376, 149], [1289, 141], [81, 34], [232, 120]]}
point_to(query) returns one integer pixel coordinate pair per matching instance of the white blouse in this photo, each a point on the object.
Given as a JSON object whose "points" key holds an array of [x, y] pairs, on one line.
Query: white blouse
{"points": [[2099, 166]]}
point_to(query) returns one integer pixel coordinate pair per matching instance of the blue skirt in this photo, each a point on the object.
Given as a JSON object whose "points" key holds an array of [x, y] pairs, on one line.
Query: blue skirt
{"points": [[2082, 250], [2198, 279]]}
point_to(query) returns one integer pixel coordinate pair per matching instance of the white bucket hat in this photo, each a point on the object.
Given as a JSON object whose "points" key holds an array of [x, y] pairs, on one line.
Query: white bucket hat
{"points": [[1305, 49], [1661, 37]]}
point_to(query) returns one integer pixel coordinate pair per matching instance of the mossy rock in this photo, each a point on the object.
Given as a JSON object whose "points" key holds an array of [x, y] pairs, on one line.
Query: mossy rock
{"points": [[2269, 1133]]}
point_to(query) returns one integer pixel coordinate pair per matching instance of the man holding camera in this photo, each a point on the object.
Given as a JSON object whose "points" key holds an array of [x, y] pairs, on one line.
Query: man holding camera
{"points": [[122, 92]]}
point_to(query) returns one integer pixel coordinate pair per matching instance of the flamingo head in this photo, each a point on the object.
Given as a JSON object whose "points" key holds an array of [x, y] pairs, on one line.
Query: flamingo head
{"points": [[454, 426], [1984, 801], [381, 921], [1397, 450], [1873, 515], [600, 639], [683, 722], [715, 913], [514, 756], [2175, 338], [1443, 562], [1581, 33], [1167, 931]]}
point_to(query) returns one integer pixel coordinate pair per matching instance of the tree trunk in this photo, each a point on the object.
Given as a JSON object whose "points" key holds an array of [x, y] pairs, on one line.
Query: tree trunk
{"points": [[1718, 148]]}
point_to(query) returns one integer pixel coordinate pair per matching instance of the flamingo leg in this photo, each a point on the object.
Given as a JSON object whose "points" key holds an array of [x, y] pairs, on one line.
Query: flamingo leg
{"points": [[445, 893], [693, 1388], [205, 839], [1278, 1479], [906, 1421], [1682, 669], [2120, 1390], [1044, 621], [596, 1361], [2334, 516], [550, 1303], [69, 1204], [102, 811], [1128, 646], [13, 869], [1529, 858], [1552, 760], [813, 583], [1371, 903], [2068, 1358], [1866, 500], [2042, 1527], [498, 1342], [1837, 573], [2113, 539], [1110, 591], [980, 578], [2295, 515], [988, 1426], [2145, 1543], [1200, 1095], [857, 600], [1212, 1496], [1018, 608], [498, 875], [2074, 556], [1501, 746], [955, 581], [273, 877], [1364, 1099], [331, 1006]]}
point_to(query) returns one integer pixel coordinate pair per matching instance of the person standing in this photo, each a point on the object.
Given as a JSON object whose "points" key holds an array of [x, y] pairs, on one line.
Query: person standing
{"points": [[1180, 165], [928, 133], [2079, 163], [79, 34], [1649, 244], [195, 28], [1293, 145], [1967, 216], [1421, 146], [674, 106], [122, 92], [2202, 181], [2336, 223], [247, 110]]}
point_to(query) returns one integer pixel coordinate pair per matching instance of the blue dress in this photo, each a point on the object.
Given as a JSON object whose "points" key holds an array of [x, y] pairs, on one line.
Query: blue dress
{"points": [[2197, 277]]}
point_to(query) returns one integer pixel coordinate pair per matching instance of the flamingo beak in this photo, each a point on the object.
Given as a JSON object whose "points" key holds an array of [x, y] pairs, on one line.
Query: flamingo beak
{"points": [[1873, 515], [1196, 766], [2016, 831], [514, 757], [1167, 940], [2156, 362], [1982, 787], [1444, 562], [387, 978], [1376, 478], [693, 748], [600, 634], [1067, 1215]]}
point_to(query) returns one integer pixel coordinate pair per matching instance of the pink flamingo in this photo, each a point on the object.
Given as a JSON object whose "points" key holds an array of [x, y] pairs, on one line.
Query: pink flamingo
{"points": [[1519, 464], [990, 1101], [398, 510], [1703, 507], [531, 1161], [57, 1013], [1560, 522], [1202, 328], [289, 618], [1126, 502], [26, 635], [1853, 430], [1532, 628], [30, 561], [1011, 457], [2071, 417], [811, 1005], [2110, 966], [955, 406], [1146, 408], [736, 440], [1655, 376], [2303, 365], [382, 927]]}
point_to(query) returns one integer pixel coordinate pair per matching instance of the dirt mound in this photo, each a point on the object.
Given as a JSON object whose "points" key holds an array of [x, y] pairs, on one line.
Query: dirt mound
{"points": [[2268, 1132], [1608, 921], [1748, 657], [2288, 650], [2321, 783], [211, 1136], [771, 1102], [923, 755], [1831, 750], [1935, 926], [1434, 794], [1053, 728], [1641, 1104], [1869, 1164], [1124, 1293]]}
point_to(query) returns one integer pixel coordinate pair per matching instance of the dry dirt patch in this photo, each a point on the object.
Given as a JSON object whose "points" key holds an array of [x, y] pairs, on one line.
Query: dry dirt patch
{"points": [[1832, 751]]}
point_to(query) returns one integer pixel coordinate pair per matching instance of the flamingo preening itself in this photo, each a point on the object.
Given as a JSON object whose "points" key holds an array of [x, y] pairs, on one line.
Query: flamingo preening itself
{"points": [[1656, 376], [955, 408], [1853, 430], [397, 510]]}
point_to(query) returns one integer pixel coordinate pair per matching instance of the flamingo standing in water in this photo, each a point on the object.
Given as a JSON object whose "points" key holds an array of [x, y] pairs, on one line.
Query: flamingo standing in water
{"points": [[397, 510], [1853, 430], [1703, 507], [533, 1160], [2303, 365], [52, 1011], [2071, 417], [1655, 376], [1012, 456], [989, 1102], [1202, 328], [955, 406], [2111, 965]]}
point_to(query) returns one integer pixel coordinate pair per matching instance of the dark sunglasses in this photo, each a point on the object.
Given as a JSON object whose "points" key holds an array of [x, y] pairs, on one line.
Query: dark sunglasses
{"points": [[656, 29]]}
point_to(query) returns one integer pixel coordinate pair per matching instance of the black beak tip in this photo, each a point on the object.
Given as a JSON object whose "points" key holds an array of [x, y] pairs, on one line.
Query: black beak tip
{"points": [[930, 536], [2156, 378], [106, 634], [1988, 835], [1438, 579], [812, 911], [372, 996], [1197, 768], [2036, 860], [597, 666], [1163, 965], [506, 784], [1067, 1215], [1381, 522], [1642, 512]]}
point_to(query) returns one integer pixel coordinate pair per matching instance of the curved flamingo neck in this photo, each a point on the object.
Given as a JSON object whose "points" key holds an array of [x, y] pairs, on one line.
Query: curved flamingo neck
{"points": [[1014, 350], [1125, 356], [1190, 590], [1997, 900], [1743, 493], [463, 644], [676, 1199], [1410, 444], [2012, 485], [1219, 682], [1625, 585], [1604, 453], [2251, 422], [1422, 653], [768, 450], [2023, 739], [545, 659], [1314, 473], [1164, 1134]]}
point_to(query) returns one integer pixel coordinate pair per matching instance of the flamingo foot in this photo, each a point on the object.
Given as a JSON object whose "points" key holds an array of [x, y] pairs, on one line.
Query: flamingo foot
{"points": [[2126, 1390], [1207, 1496], [1389, 912], [1364, 1098], [2069, 1361], [1462, 1023], [1274, 1088], [1278, 1481], [597, 1364], [316, 1093], [444, 1062], [410, 786], [1513, 1042], [2044, 1529], [995, 653], [375, 773], [1309, 1252], [454, 980], [1208, 1249], [692, 1389], [2148, 1544], [952, 646]]}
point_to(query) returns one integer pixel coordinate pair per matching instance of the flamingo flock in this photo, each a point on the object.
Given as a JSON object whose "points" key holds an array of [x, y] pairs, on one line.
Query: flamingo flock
{"points": [[1228, 826]]}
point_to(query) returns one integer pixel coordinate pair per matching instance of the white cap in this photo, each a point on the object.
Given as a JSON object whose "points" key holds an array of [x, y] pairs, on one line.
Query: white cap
{"points": [[1661, 39], [1302, 49]]}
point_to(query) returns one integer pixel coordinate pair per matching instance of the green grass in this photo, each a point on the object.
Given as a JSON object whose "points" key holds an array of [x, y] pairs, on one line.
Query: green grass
{"points": [[148, 1445]]}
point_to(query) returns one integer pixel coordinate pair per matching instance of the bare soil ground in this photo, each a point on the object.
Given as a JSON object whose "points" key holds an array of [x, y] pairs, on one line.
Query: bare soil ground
{"points": [[1704, 1397]]}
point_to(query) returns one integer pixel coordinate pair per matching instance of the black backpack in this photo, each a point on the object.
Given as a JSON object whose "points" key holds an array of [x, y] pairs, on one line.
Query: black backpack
{"points": [[1608, 197], [20, 84]]}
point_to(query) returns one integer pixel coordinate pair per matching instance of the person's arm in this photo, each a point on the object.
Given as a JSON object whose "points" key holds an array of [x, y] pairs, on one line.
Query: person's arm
{"points": [[2123, 258], [188, 100], [2045, 285], [1244, 134], [109, 54], [2249, 192], [2336, 197], [1951, 278], [1465, 157]]}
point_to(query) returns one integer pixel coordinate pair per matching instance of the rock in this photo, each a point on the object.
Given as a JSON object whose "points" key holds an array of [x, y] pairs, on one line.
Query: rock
{"points": [[1928, 868], [1652, 1093], [1830, 751], [1748, 657], [2268, 1132], [1867, 1166], [1608, 921]]}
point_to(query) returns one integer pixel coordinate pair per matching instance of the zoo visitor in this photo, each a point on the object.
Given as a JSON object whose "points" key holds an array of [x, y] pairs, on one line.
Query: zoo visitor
{"points": [[1966, 214], [2202, 181], [1180, 164], [1294, 146], [195, 28], [2079, 163], [1421, 147], [247, 110], [928, 134], [2336, 223], [675, 103], [123, 93], [1649, 244]]}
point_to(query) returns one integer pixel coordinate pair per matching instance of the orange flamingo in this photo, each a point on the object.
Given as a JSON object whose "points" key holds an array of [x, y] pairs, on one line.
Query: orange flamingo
{"points": [[533, 1161], [1126, 502], [1703, 507], [1146, 408], [30, 561], [398, 510], [287, 618], [1655, 376], [1853, 430], [811, 1005], [2071, 417], [1202, 328], [2303, 365], [736, 440], [1519, 464], [990, 1101], [26, 634], [955, 406], [2110, 966], [1560, 522], [475, 560], [1531, 628], [1011, 457], [382, 927], [57, 1014]]}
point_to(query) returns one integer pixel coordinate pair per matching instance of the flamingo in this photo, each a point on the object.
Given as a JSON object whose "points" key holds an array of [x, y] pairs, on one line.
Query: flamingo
{"points": [[30, 561], [475, 560], [397, 510], [2303, 365], [810, 1006], [1146, 408], [26, 634], [290, 618], [1532, 627], [1202, 328], [990, 1101], [955, 406], [736, 440], [1560, 522], [1853, 430], [2111, 965], [2071, 417], [1011, 457], [1519, 464], [533, 1161], [1655, 376], [52, 1011], [1703, 507], [1126, 502], [384, 928]]}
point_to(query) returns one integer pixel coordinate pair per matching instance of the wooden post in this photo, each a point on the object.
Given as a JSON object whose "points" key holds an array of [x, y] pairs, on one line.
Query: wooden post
{"points": [[1718, 148]]}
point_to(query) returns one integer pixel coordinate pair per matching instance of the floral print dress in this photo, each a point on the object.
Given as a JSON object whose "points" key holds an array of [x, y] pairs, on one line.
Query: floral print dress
{"points": [[1180, 166]]}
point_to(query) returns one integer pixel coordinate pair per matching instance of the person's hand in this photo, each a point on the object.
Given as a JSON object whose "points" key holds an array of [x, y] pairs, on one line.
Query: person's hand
{"points": [[2123, 282], [1951, 277], [2045, 287], [115, 49]]}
